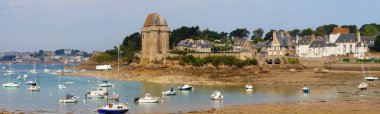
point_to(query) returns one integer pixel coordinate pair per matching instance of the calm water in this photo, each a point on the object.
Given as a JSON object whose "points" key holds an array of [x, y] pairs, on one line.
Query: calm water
{"points": [[47, 99]]}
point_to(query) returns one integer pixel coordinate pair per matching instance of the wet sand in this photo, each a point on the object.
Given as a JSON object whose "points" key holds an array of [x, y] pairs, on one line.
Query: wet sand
{"points": [[334, 106]]}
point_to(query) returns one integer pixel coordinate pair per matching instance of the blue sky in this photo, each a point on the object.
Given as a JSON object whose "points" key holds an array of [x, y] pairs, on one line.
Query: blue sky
{"points": [[28, 25]]}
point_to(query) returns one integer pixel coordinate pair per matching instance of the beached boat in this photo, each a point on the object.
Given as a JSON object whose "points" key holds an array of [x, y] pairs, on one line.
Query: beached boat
{"points": [[371, 78], [363, 85], [69, 99], [147, 99], [117, 107], [306, 90], [185, 87], [216, 95]]}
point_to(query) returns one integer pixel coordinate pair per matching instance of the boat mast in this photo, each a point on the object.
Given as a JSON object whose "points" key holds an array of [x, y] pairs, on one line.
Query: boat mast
{"points": [[118, 72], [363, 71]]}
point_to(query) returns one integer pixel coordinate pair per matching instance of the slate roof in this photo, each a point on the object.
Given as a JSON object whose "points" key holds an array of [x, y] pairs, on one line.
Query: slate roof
{"points": [[317, 44], [330, 45], [346, 38], [304, 40]]}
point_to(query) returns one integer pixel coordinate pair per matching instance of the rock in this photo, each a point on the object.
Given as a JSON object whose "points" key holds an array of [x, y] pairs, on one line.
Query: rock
{"points": [[292, 70]]}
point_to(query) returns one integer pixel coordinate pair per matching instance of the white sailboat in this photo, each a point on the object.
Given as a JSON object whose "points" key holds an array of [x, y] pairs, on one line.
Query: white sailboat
{"points": [[248, 85], [60, 85], [369, 77], [217, 95], [34, 70], [117, 107], [35, 86], [9, 83], [363, 85], [9, 71]]}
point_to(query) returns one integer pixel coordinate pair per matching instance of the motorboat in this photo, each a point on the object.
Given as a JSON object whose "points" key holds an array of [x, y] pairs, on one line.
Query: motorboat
{"points": [[34, 88], [363, 86], [248, 86], [169, 92], [98, 93], [185, 87], [11, 84], [69, 99], [217, 95], [306, 90], [9, 72], [60, 86], [371, 78], [30, 82], [113, 108], [147, 99], [46, 71], [33, 71], [105, 84]]}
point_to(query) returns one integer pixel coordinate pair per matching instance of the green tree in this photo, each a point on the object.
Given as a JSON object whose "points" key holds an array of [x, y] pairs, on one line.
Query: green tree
{"points": [[330, 28], [370, 30], [307, 31], [321, 31], [352, 28], [269, 34], [224, 35], [295, 32], [240, 33], [377, 44], [183, 33], [258, 33]]}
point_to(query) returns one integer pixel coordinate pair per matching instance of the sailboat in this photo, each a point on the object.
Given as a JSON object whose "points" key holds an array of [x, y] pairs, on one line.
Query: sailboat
{"points": [[117, 107], [60, 85], [369, 77], [170, 92], [363, 85], [105, 82], [248, 86], [9, 71], [35, 86], [9, 83], [100, 92], [34, 70]]}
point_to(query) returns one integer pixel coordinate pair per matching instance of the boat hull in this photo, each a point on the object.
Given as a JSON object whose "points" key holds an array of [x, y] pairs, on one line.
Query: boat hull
{"points": [[112, 111]]}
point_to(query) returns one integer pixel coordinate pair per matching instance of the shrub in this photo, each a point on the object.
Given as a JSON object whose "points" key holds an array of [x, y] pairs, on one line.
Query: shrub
{"points": [[293, 60], [346, 60]]}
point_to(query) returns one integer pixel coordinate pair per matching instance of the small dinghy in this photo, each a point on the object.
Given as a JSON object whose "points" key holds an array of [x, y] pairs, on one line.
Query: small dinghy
{"points": [[69, 99], [217, 95], [169, 92], [147, 99], [185, 87], [363, 86], [248, 86], [306, 90]]}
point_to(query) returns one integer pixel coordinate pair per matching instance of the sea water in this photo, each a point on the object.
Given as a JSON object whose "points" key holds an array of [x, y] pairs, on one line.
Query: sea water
{"points": [[46, 100]]}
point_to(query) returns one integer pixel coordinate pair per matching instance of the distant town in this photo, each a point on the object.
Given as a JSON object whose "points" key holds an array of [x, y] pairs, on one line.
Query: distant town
{"points": [[45, 56]]}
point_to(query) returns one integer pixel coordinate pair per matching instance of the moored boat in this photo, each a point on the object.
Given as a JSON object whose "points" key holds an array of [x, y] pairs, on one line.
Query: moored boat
{"points": [[147, 99], [217, 95], [185, 87], [69, 99]]}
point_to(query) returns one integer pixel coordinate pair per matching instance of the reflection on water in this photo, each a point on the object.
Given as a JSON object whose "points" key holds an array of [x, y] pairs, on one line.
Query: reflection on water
{"points": [[198, 98]]}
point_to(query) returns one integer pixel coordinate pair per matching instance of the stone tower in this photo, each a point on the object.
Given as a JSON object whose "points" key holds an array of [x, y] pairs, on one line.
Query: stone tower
{"points": [[155, 39]]}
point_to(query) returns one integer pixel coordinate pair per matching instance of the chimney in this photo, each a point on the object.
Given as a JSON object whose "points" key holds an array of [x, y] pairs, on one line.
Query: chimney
{"points": [[282, 34], [358, 36], [274, 35], [312, 38]]}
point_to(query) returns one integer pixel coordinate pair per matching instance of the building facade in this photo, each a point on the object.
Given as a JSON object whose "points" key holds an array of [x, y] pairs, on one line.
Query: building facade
{"points": [[155, 39]]}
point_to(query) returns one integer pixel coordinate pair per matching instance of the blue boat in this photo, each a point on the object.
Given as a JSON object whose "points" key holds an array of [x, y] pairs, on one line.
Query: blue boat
{"points": [[113, 108], [306, 90]]}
